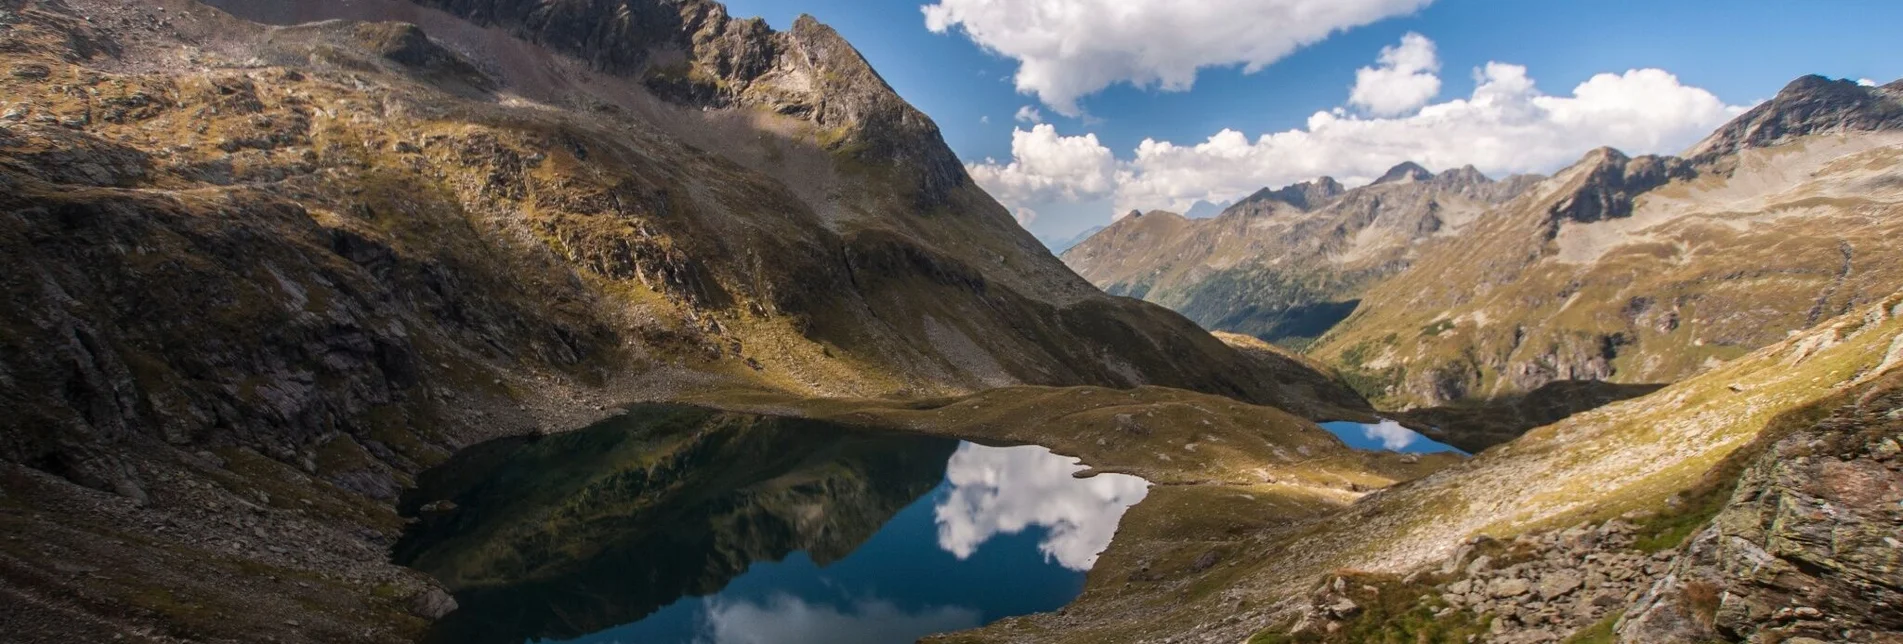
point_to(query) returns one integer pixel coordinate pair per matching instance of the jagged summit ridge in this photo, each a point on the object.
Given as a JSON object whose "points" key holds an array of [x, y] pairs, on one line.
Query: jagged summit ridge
{"points": [[1307, 195], [1405, 171], [693, 53], [1807, 106], [1609, 182]]}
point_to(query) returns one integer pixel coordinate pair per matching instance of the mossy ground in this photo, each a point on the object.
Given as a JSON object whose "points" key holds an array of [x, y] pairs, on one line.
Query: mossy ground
{"points": [[1389, 611]]}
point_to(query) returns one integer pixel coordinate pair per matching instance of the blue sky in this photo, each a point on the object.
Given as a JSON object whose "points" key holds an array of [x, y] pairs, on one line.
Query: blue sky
{"points": [[1740, 53]]}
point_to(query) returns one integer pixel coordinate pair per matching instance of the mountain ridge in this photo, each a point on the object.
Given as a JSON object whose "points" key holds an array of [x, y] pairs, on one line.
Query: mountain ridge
{"points": [[1285, 264], [1631, 246], [1562, 221]]}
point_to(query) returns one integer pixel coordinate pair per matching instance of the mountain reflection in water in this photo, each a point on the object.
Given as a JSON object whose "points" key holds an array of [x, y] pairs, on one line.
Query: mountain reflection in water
{"points": [[677, 524]]}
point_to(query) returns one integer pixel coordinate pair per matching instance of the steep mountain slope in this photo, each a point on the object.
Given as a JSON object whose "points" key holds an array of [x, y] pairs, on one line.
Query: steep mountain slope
{"points": [[286, 236], [1648, 269], [1285, 265], [259, 277], [1662, 465]]}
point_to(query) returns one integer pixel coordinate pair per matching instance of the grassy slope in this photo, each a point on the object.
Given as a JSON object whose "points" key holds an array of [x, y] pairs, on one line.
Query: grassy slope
{"points": [[1705, 270], [1628, 456]]}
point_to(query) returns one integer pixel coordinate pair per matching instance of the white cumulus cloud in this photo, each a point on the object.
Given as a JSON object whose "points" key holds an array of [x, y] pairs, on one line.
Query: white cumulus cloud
{"points": [[1404, 78], [1069, 49], [1028, 114], [1866, 82], [1506, 126], [1046, 168], [1025, 216]]}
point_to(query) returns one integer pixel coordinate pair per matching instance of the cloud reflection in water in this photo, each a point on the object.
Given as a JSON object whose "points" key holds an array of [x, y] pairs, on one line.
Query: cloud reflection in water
{"points": [[1003, 490], [785, 619]]}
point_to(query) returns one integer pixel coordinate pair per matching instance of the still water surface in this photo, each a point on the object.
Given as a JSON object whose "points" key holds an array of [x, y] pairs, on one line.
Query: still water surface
{"points": [[1386, 435], [678, 525]]}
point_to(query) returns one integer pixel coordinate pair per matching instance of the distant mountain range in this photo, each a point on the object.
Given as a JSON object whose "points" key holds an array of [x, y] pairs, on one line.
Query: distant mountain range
{"points": [[1430, 288], [1058, 246]]}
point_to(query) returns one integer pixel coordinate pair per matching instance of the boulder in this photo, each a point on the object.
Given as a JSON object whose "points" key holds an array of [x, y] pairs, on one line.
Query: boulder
{"points": [[432, 604], [1560, 583]]}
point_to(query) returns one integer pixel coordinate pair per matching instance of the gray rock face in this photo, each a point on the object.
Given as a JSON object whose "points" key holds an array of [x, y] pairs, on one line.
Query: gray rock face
{"points": [[432, 604], [1406, 171], [1809, 105], [1808, 547], [691, 51], [1612, 182], [1560, 583], [1307, 195], [1507, 587], [1535, 589]]}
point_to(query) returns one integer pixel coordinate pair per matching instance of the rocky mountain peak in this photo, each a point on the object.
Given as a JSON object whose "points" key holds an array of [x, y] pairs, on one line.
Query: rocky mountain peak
{"points": [[1307, 195], [1406, 171], [1606, 182], [1807, 106], [1462, 177], [692, 52]]}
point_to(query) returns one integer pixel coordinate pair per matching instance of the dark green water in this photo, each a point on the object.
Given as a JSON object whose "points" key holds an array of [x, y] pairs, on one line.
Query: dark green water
{"points": [[677, 525]]}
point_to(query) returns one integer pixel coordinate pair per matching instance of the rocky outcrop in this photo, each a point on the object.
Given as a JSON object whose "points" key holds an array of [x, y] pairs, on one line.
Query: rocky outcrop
{"points": [[1569, 580], [1609, 181], [1404, 172], [1536, 589], [694, 52], [1807, 549], [1810, 105], [1307, 195]]}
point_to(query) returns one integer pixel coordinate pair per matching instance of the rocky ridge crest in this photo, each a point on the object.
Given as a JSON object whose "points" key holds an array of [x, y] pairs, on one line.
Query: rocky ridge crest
{"points": [[1285, 264]]}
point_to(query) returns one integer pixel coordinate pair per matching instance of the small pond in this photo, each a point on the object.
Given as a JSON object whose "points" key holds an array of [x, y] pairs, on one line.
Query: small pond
{"points": [[676, 525], [1386, 435]]}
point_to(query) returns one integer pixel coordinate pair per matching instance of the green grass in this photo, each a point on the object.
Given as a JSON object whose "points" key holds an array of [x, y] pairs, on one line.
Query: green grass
{"points": [[1599, 633], [1704, 500], [1391, 612]]}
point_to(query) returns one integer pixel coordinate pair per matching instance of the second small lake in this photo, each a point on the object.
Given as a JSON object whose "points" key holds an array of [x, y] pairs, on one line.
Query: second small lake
{"points": [[682, 525], [1386, 435]]}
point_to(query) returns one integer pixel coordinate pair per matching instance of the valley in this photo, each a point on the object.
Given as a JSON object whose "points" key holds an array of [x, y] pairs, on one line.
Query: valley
{"points": [[630, 320]]}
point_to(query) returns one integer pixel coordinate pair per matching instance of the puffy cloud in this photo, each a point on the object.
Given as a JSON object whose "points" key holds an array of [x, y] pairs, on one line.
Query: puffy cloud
{"points": [[1046, 167], [1506, 126], [1025, 216], [1404, 78], [1028, 114], [1003, 490], [1866, 82], [784, 619], [1068, 49], [984, 120]]}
